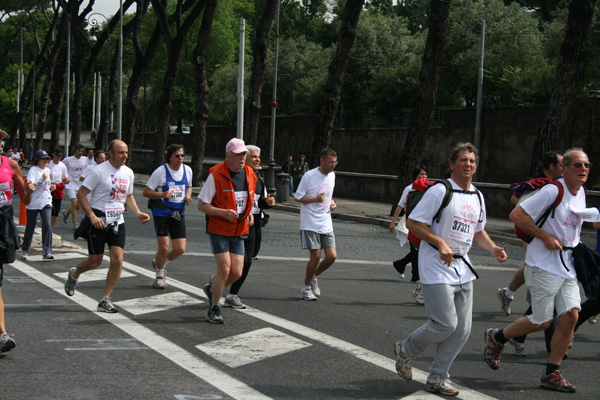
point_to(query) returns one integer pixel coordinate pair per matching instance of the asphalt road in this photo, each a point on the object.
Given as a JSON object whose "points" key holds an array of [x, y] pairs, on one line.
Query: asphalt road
{"points": [[160, 345]]}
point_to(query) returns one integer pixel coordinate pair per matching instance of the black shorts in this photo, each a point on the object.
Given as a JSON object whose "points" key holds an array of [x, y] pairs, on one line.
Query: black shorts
{"points": [[1, 274], [99, 237], [165, 226], [56, 207]]}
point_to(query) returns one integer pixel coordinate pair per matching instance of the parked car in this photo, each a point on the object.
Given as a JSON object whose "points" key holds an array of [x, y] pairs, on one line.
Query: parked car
{"points": [[185, 130]]}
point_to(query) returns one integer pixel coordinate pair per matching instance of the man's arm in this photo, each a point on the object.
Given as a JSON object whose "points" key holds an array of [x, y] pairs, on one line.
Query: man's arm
{"points": [[395, 218], [524, 221], [209, 209], [87, 209], [424, 232], [484, 241], [132, 205], [310, 199]]}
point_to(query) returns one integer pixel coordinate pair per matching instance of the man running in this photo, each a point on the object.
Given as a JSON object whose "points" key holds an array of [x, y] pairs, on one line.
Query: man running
{"points": [[111, 187]]}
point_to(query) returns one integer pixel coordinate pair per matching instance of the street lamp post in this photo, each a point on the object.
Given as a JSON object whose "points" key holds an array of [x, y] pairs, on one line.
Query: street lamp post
{"points": [[120, 99], [94, 24], [271, 173]]}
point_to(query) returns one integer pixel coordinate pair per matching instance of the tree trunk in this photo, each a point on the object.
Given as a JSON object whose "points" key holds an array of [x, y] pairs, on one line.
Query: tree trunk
{"points": [[333, 87], [253, 107], [429, 78], [570, 69], [174, 46], [49, 69]]}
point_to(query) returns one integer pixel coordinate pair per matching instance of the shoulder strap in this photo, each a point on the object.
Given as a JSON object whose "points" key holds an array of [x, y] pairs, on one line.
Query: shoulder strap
{"points": [[445, 201]]}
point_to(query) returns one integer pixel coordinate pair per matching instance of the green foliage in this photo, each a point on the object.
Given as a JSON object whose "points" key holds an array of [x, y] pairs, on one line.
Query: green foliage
{"points": [[302, 73], [384, 66], [514, 51]]}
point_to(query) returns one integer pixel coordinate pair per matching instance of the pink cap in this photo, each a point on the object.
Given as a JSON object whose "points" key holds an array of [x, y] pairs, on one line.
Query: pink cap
{"points": [[236, 146]]}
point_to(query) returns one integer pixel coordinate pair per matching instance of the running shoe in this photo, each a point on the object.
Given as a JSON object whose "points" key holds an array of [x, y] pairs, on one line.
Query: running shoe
{"points": [[208, 291], [315, 287], [48, 257], [159, 282], [504, 301], [307, 294], [106, 305], [65, 216], [493, 349], [23, 255], [403, 361], [519, 347], [6, 343], [71, 283], [214, 315], [418, 295], [593, 319], [75, 226], [234, 302], [555, 381], [440, 385]]}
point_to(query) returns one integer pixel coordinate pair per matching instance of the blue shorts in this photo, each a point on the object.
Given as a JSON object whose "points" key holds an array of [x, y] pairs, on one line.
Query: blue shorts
{"points": [[226, 244]]}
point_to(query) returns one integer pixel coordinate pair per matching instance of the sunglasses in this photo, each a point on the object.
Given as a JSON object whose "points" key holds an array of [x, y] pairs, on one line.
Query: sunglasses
{"points": [[587, 165], [179, 155]]}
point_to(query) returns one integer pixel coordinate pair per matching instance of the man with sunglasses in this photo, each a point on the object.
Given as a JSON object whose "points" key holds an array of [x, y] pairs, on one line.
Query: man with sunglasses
{"points": [[549, 272], [169, 190]]}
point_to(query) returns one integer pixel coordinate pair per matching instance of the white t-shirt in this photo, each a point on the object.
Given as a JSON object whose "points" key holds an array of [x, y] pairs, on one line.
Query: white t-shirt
{"points": [[57, 172], [91, 161], [87, 170], [16, 156], [109, 189], [75, 166], [458, 224], [565, 226], [404, 197], [41, 197], [159, 177], [209, 190], [316, 217]]}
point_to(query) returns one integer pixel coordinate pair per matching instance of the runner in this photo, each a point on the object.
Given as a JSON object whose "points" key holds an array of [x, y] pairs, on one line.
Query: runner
{"points": [[169, 190]]}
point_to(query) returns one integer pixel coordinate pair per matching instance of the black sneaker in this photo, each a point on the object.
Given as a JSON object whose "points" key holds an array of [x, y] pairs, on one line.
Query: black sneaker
{"points": [[208, 291], [106, 305], [71, 283], [6, 343]]}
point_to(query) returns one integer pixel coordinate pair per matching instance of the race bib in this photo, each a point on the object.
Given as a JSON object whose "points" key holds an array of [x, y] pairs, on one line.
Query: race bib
{"points": [[462, 230], [113, 211], [241, 201], [255, 208], [56, 176], [178, 193], [5, 193]]}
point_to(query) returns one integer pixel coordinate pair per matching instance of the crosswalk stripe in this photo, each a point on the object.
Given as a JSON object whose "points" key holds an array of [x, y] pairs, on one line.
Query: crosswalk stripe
{"points": [[161, 345]]}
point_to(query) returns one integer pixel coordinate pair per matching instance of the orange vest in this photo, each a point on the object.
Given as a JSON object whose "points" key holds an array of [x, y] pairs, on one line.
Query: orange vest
{"points": [[225, 198]]}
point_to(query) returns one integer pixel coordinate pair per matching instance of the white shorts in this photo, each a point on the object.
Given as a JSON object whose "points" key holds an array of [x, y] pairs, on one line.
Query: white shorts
{"points": [[72, 193], [550, 292]]}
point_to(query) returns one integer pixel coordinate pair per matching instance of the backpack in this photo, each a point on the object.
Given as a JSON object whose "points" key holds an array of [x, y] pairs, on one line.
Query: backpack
{"points": [[526, 189], [420, 186]]}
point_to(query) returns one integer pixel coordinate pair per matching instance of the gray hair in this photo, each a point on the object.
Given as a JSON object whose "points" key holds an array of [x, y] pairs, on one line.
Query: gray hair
{"points": [[568, 157], [463, 146], [251, 147]]}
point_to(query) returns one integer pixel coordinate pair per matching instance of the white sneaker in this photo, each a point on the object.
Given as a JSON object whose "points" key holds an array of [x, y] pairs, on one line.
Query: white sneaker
{"points": [[23, 255], [418, 295], [307, 294], [593, 319], [440, 385], [65, 216], [315, 287]]}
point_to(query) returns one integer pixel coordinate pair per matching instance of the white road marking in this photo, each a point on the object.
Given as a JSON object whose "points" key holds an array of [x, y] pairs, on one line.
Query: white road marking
{"points": [[349, 348], [250, 347], [337, 261], [98, 274], [161, 302], [102, 344], [346, 347], [161, 345]]}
